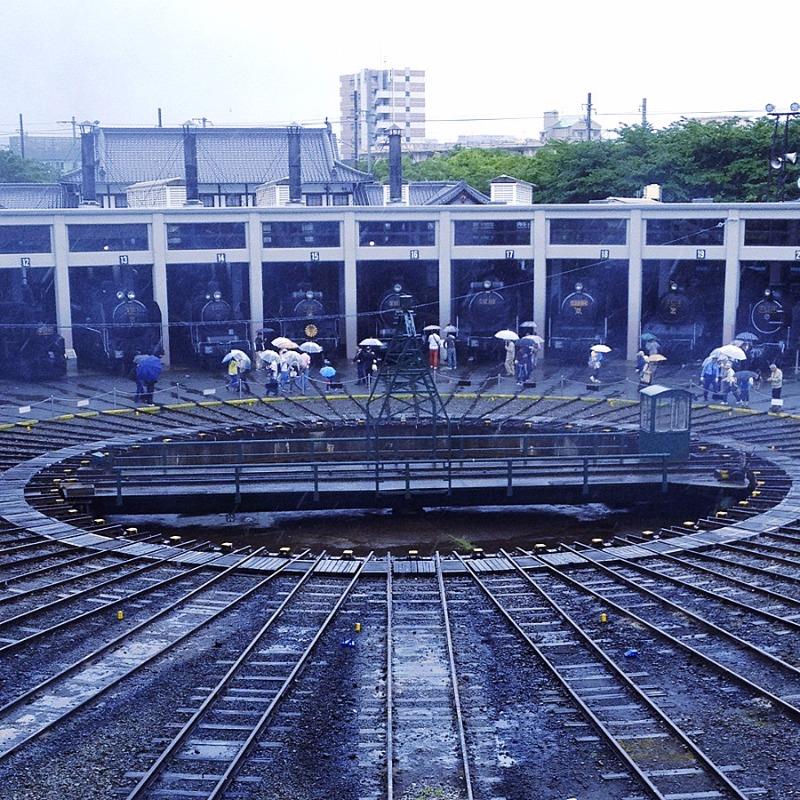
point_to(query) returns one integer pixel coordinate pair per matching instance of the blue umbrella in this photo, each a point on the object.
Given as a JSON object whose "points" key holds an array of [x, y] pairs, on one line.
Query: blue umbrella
{"points": [[149, 369], [327, 372]]}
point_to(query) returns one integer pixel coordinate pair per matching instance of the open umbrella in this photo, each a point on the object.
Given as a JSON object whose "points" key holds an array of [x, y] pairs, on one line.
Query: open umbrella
{"points": [[268, 356], [730, 351], [327, 372], [431, 328], [747, 374], [746, 336], [528, 324], [370, 343], [655, 358], [450, 329], [600, 348], [311, 347], [283, 343], [507, 336], [149, 368], [649, 337], [533, 337]]}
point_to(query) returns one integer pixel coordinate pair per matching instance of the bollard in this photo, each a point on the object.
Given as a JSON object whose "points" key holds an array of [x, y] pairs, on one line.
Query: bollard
{"points": [[688, 523], [357, 627], [131, 531], [174, 539], [284, 552], [603, 617], [539, 548], [413, 555], [597, 542], [120, 615], [99, 521], [347, 555], [226, 547], [477, 552]]}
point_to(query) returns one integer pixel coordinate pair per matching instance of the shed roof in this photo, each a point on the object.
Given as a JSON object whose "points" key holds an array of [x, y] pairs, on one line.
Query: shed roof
{"points": [[32, 195]]}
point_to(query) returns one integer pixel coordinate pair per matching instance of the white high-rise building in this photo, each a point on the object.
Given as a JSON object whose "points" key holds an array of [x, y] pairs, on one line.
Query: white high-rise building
{"points": [[374, 100]]}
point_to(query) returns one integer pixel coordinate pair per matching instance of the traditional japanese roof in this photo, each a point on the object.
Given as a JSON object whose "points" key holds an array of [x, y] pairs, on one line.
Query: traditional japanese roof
{"points": [[32, 195], [451, 194], [224, 155]]}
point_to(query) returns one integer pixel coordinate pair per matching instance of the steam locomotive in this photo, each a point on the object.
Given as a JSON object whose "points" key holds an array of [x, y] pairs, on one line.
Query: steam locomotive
{"points": [[29, 348], [576, 323], [674, 324], [769, 318], [305, 318], [387, 311], [214, 329], [489, 307], [115, 328]]}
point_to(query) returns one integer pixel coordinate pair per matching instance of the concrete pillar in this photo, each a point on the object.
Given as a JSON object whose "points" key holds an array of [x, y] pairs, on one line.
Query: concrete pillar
{"points": [[445, 268], [61, 281], [635, 243], [731, 293], [349, 245], [255, 249], [158, 242], [540, 272]]}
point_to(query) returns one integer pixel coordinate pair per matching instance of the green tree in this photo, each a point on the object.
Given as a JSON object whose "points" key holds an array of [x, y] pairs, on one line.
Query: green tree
{"points": [[14, 169], [727, 161]]}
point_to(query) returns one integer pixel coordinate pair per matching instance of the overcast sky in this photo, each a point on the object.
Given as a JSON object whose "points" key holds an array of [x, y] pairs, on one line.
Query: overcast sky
{"points": [[260, 62]]}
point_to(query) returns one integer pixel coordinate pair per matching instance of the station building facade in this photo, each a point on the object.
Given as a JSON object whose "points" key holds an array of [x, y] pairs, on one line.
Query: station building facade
{"points": [[627, 256]]}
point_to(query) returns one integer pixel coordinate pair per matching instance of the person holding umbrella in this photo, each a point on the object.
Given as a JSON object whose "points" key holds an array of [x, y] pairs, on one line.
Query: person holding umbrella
{"points": [[328, 372]]}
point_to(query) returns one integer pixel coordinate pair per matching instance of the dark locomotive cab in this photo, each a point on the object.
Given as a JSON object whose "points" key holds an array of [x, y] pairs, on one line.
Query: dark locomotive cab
{"points": [[305, 317], [576, 323], [489, 307], [387, 311], [214, 329]]}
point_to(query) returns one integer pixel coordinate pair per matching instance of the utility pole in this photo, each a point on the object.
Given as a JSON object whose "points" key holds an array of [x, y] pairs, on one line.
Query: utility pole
{"points": [[589, 117], [72, 122], [644, 112], [21, 137]]}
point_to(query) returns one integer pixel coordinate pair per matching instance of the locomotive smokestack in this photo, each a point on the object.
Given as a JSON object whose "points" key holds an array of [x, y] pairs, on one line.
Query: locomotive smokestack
{"points": [[295, 179], [190, 165], [395, 167], [88, 164]]}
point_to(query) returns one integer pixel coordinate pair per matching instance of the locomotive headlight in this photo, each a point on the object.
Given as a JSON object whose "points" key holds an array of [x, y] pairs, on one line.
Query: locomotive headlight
{"points": [[767, 292], [218, 295], [578, 287], [673, 287], [309, 295], [397, 287], [120, 295], [208, 296], [487, 284], [131, 295]]}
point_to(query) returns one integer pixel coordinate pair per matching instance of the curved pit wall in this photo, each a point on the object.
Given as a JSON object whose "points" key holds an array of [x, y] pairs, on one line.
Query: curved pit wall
{"points": [[530, 437]]}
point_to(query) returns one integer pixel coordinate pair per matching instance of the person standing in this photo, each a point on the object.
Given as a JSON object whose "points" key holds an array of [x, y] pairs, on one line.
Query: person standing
{"points": [[451, 350], [775, 380], [647, 374], [595, 362], [361, 359], [728, 384], [708, 376], [233, 375], [511, 350], [434, 345]]}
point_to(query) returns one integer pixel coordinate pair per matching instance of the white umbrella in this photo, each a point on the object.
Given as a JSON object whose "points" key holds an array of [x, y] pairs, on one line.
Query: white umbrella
{"points": [[239, 355], [268, 356], [370, 343], [450, 329], [311, 347], [655, 357], [528, 324], [507, 336], [600, 348], [534, 337], [731, 351], [292, 356], [284, 344], [431, 328]]}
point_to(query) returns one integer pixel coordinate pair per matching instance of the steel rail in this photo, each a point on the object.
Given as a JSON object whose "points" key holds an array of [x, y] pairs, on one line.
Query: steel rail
{"points": [[43, 542], [389, 682], [753, 587], [97, 609], [648, 570], [786, 552], [28, 696], [462, 740], [793, 710], [238, 760], [23, 576], [648, 785], [157, 767], [726, 561], [755, 649], [690, 744]]}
